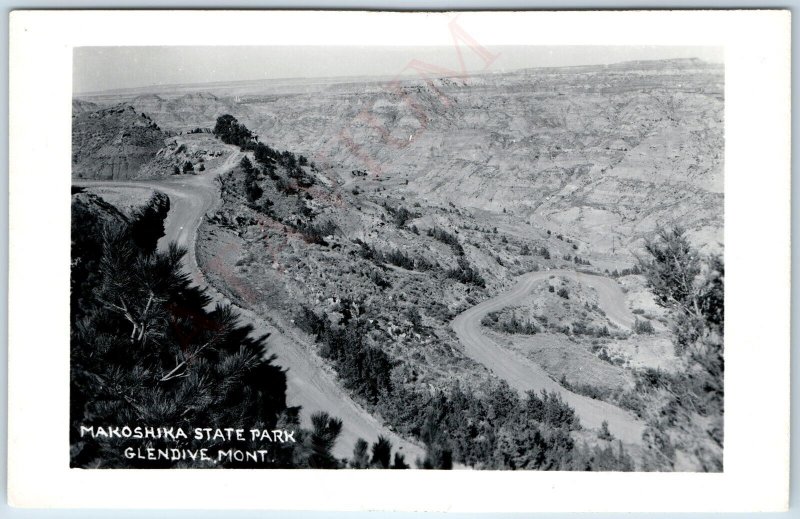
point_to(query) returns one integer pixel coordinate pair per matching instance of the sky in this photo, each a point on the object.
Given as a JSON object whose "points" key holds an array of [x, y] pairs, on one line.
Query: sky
{"points": [[108, 68]]}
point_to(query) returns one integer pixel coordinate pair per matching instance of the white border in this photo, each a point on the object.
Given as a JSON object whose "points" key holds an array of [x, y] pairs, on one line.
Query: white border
{"points": [[757, 229]]}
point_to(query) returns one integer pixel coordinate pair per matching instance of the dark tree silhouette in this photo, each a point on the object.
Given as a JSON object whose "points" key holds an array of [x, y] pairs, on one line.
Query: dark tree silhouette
{"points": [[399, 461], [360, 459], [324, 433], [381, 453]]}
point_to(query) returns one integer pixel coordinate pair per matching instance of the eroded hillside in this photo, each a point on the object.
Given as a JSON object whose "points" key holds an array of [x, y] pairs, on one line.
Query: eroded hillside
{"points": [[113, 143], [122, 143], [603, 153], [400, 208]]}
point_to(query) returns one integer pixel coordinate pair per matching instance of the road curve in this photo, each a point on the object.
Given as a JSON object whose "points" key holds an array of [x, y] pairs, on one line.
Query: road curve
{"points": [[525, 375], [308, 383]]}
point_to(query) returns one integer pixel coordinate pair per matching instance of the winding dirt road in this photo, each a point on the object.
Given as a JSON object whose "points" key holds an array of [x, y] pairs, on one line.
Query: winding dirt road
{"points": [[525, 375], [308, 384]]}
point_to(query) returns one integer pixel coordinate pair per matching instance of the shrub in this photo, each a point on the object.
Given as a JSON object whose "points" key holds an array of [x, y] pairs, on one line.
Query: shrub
{"points": [[447, 238], [550, 409], [643, 326], [230, 131], [379, 280], [399, 459], [316, 233], [512, 325], [381, 453], [465, 273], [400, 215], [360, 459], [604, 433]]}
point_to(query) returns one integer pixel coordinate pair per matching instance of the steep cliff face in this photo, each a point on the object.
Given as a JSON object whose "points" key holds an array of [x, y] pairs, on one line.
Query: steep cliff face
{"points": [[114, 143]]}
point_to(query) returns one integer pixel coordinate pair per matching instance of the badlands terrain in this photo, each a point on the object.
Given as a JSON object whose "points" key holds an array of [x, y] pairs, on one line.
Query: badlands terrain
{"points": [[418, 243]]}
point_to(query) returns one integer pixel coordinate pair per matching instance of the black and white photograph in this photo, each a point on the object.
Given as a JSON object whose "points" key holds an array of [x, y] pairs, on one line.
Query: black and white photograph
{"points": [[513, 264], [481, 248]]}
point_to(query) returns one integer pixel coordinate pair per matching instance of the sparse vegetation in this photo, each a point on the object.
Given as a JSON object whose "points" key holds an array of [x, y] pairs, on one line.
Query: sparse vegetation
{"points": [[395, 257], [465, 273], [510, 325], [448, 238], [400, 215]]}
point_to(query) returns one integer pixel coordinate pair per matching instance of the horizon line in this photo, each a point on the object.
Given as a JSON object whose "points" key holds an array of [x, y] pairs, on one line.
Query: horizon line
{"points": [[378, 76]]}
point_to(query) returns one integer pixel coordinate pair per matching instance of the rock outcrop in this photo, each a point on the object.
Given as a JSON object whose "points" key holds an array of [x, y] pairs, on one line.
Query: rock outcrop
{"points": [[114, 143]]}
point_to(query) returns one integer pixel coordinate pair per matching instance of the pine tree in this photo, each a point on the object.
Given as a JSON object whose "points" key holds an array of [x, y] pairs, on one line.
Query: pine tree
{"points": [[692, 288], [360, 458], [381, 453], [145, 349], [399, 461], [325, 430]]}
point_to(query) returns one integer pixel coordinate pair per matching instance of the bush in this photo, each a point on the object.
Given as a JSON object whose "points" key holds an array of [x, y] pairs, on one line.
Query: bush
{"points": [[230, 131], [316, 233], [447, 238], [395, 257], [563, 293], [381, 453], [400, 215], [550, 409], [511, 325], [604, 433], [360, 459], [643, 326], [465, 273], [379, 280]]}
